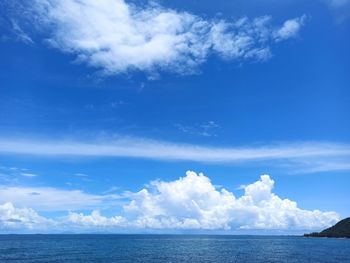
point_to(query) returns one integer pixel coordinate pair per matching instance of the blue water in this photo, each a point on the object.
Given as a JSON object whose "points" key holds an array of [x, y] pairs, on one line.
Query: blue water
{"points": [[171, 248]]}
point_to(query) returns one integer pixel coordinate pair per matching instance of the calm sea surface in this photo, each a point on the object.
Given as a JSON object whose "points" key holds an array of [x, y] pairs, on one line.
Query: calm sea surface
{"points": [[171, 248]]}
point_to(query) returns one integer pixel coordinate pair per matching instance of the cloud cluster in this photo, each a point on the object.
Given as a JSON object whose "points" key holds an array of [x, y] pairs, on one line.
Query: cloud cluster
{"points": [[95, 220], [191, 202], [118, 36], [12, 218]]}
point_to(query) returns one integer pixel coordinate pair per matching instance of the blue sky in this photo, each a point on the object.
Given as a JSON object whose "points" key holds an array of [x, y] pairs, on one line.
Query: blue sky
{"points": [[104, 106]]}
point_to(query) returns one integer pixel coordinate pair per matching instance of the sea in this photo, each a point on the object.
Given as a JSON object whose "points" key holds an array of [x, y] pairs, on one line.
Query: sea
{"points": [[171, 248]]}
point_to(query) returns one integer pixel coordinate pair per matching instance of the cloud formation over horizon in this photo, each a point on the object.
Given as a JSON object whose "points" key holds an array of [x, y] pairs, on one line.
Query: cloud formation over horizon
{"points": [[191, 202], [117, 36], [13, 218]]}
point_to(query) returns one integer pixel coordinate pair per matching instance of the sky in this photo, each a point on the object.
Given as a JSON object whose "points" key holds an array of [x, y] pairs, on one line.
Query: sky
{"points": [[139, 116]]}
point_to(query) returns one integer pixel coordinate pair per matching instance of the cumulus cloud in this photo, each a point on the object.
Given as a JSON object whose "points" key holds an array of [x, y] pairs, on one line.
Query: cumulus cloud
{"points": [[191, 202], [95, 220], [118, 36], [21, 218]]}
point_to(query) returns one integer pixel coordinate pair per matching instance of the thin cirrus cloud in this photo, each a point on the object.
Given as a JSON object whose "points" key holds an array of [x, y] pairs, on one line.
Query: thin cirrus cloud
{"points": [[188, 203], [53, 199], [338, 3], [302, 157], [20, 35], [206, 129], [117, 36], [28, 174]]}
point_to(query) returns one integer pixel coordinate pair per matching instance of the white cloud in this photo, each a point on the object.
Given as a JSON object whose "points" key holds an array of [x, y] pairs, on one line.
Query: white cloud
{"points": [[117, 36], [298, 156], [81, 175], [28, 174], [191, 202], [290, 28], [94, 220], [19, 218], [53, 199]]}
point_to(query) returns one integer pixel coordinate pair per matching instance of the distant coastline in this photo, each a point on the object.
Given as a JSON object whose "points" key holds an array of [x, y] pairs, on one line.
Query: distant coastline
{"points": [[339, 230]]}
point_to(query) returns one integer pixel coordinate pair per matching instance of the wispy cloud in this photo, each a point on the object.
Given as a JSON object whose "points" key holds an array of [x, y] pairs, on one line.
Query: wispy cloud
{"points": [[340, 9], [14, 174], [81, 175], [20, 34], [29, 174], [54, 199], [338, 3], [117, 36], [302, 155], [206, 129], [323, 165]]}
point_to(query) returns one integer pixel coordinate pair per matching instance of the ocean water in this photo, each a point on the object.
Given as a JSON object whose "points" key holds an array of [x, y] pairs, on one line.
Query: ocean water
{"points": [[171, 248]]}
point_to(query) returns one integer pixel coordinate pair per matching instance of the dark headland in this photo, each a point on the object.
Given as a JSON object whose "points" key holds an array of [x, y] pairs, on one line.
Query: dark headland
{"points": [[340, 229]]}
